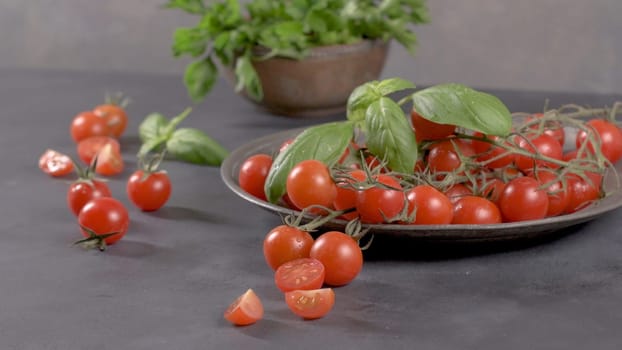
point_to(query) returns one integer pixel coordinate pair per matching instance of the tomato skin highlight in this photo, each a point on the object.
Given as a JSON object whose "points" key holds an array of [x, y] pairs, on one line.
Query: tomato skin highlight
{"points": [[522, 200], [55, 164], [376, 203], [310, 183], [253, 173], [285, 243], [431, 207], [82, 191], [245, 309], [474, 210], [300, 274], [87, 124], [310, 304], [341, 256], [114, 116], [88, 148], [102, 216], [149, 192]]}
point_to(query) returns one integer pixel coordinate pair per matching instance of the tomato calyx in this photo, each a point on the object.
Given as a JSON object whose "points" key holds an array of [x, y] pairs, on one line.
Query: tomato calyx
{"points": [[150, 163], [94, 240]]}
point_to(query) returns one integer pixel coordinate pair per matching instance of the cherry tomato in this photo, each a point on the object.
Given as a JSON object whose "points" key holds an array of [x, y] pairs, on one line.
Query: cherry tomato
{"points": [[103, 216], [300, 274], [253, 173], [341, 256], [310, 183], [544, 145], [285, 144], [430, 206], [494, 157], [245, 309], [473, 210], [378, 203], [87, 124], [609, 135], [89, 147], [552, 128], [285, 243], [457, 191], [492, 189], [109, 161], [522, 199], [581, 193], [557, 193], [446, 156], [426, 130], [55, 163], [114, 116], [346, 195], [84, 190], [310, 304], [149, 191]]}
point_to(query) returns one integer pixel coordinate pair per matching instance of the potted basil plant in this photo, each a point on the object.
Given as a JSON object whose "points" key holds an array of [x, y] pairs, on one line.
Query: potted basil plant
{"points": [[293, 57]]}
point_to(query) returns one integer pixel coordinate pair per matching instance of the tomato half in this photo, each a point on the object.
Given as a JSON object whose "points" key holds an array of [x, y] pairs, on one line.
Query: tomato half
{"points": [[253, 173], [90, 147], [55, 163], [310, 304], [149, 191], [300, 274], [285, 243], [341, 256], [109, 161], [245, 309]]}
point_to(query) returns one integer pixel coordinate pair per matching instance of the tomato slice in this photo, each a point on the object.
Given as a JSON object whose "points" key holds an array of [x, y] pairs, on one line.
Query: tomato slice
{"points": [[109, 161], [310, 304], [303, 273], [89, 147], [245, 310], [55, 163]]}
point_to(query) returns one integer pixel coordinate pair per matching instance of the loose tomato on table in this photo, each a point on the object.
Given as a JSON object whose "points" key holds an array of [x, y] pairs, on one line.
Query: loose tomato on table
{"points": [[88, 124], [84, 190], [55, 163], [103, 221], [310, 304], [286, 243], [341, 256], [114, 116], [300, 274], [245, 309], [88, 148], [149, 190], [253, 173]]}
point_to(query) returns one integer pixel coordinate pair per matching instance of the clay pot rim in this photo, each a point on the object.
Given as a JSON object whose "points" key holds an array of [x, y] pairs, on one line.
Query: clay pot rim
{"points": [[363, 45]]}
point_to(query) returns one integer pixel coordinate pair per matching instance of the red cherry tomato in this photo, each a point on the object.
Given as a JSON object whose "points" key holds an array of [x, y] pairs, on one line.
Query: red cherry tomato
{"points": [[426, 130], [114, 116], [285, 243], [377, 204], [88, 124], [104, 217], [341, 256], [609, 135], [109, 161], [430, 206], [581, 193], [90, 147], [552, 128], [522, 199], [473, 210], [446, 156], [310, 183], [253, 173], [346, 195], [310, 304], [55, 163], [557, 193], [544, 145], [492, 156], [457, 191], [149, 191], [245, 309], [300, 274], [84, 190]]}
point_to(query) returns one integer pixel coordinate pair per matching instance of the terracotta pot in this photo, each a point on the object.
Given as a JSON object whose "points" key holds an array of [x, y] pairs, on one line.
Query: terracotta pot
{"points": [[319, 84]]}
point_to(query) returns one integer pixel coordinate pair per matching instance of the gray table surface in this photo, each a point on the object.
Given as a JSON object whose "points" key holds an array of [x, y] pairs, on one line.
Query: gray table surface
{"points": [[167, 283]]}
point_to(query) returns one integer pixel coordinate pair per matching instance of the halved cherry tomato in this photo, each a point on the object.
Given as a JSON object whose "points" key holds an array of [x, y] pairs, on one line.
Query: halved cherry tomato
{"points": [[286, 243], [115, 117], [245, 309], [89, 147], [55, 163], [310, 304], [109, 161], [300, 274], [88, 124]]}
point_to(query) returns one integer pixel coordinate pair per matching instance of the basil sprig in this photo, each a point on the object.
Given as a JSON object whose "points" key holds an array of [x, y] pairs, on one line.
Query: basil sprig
{"points": [[386, 128], [185, 144]]}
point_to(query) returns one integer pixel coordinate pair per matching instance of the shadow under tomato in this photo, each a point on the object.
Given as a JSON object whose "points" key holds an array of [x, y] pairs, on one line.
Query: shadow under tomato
{"points": [[183, 213], [409, 249]]}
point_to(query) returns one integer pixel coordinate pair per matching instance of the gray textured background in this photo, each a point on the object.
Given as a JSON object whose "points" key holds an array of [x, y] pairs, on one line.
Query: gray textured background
{"points": [[567, 45]]}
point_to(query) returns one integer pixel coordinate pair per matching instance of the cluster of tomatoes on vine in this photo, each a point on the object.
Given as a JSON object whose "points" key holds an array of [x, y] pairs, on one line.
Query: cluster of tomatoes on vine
{"points": [[104, 220]]}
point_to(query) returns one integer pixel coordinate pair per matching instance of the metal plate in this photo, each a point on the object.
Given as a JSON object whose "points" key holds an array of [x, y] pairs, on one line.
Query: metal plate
{"points": [[454, 233]]}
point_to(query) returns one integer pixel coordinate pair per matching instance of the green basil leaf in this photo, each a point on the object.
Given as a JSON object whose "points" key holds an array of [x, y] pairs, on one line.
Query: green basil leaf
{"points": [[391, 85], [154, 144], [190, 6], [170, 126], [324, 142], [151, 127], [247, 78], [360, 98], [465, 107], [189, 41], [389, 135], [200, 77], [194, 146]]}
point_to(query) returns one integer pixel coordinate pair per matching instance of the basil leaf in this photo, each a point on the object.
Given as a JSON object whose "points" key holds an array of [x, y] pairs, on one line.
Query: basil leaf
{"points": [[168, 129], [389, 135], [465, 107], [247, 78], [391, 85], [190, 6], [200, 77], [194, 146], [154, 144], [324, 142], [151, 127], [360, 98], [190, 41]]}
